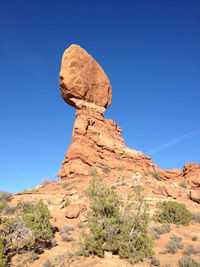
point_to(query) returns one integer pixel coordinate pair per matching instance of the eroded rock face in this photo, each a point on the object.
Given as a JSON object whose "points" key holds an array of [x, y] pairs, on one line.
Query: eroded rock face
{"points": [[191, 172], [81, 77], [96, 141]]}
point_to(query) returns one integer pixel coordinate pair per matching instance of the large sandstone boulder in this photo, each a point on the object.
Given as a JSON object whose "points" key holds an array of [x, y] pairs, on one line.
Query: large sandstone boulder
{"points": [[74, 210], [81, 77]]}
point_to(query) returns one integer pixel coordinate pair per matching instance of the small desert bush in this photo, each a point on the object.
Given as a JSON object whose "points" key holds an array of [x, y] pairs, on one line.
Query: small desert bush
{"points": [[174, 245], [66, 258], [65, 233], [156, 236], [188, 261], [196, 217], [5, 197], [114, 226], [190, 250], [105, 169], [173, 212], [25, 230], [138, 189], [26, 207], [157, 176], [45, 181], [183, 184], [81, 225], [146, 173], [155, 262], [10, 209], [33, 256], [67, 238], [53, 242], [67, 185], [194, 238], [3, 257], [66, 229], [67, 202], [48, 263], [120, 168], [165, 228]]}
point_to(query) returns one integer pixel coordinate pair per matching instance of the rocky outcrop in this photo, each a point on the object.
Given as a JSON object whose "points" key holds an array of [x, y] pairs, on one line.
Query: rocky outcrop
{"points": [[96, 141], [191, 173]]}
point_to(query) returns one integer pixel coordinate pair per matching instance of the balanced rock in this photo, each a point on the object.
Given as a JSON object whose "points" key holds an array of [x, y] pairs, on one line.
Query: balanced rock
{"points": [[81, 77], [96, 141]]}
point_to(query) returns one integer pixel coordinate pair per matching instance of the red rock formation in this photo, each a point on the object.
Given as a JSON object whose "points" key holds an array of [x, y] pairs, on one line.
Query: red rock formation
{"points": [[96, 141], [191, 172], [81, 77]]}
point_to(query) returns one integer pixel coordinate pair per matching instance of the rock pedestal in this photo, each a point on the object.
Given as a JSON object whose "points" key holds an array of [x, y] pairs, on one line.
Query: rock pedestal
{"points": [[96, 141]]}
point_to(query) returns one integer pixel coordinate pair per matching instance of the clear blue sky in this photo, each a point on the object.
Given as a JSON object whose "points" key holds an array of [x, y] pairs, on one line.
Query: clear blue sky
{"points": [[150, 50]]}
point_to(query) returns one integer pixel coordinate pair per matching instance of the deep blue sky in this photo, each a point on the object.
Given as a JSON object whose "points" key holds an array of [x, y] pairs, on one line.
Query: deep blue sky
{"points": [[150, 50]]}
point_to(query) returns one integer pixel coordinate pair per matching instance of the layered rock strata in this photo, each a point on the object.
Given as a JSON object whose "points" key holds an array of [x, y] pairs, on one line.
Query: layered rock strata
{"points": [[96, 141]]}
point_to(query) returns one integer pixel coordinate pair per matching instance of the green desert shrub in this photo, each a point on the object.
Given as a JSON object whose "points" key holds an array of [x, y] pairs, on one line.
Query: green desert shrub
{"points": [[173, 212], [106, 169], [5, 197], [155, 262], [114, 226], [38, 221], [174, 245], [3, 257], [27, 228], [10, 209], [183, 184], [81, 225], [190, 250], [67, 202], [67, 238], [157, 176], [196, 217], [26, 207], [64, 259], [48, 263], [66, 229], [194, 238], [160, 230], [188, 261]]}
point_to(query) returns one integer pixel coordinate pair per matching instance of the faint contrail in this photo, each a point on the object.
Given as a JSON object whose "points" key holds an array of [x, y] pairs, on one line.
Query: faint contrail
{"points": [[173, 142]]}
